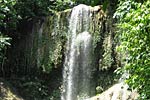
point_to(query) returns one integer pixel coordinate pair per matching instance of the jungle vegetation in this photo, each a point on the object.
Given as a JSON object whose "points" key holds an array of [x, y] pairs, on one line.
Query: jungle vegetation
{"points": [[133, 33], [133, 30]]}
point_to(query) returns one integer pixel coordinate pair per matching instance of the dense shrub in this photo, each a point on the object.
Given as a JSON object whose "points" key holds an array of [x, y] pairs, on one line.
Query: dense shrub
{"points": [[134, 29]]}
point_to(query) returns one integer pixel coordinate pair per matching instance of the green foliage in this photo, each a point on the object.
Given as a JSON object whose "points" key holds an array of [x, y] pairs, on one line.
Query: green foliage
{"points": [[13, 12], [61, 5], [55, 95], [4, 41], [31, 88], [106, 79], [105, 4], [35, 89], [8, 20], [33, 8], [134, 29], [8, 15], [87, 2]]}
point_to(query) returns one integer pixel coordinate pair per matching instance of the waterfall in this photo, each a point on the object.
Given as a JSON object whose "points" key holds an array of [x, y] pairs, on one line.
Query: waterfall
{"points": [[77, 72]]}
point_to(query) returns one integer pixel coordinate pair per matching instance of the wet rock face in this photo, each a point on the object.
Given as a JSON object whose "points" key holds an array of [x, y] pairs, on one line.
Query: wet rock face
{"points": [[55, 32], [79, 62], [45, 45]]}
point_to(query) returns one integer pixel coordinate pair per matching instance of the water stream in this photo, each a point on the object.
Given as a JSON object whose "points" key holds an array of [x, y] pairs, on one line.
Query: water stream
{"points": [[77, 73]]}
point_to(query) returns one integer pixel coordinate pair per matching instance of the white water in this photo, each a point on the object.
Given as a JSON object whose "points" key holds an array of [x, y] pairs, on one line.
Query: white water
{"points": [[77, 73]]}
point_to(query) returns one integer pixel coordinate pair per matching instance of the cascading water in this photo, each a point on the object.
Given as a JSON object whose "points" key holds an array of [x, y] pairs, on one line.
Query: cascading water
{"points": [[77, 73]]}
